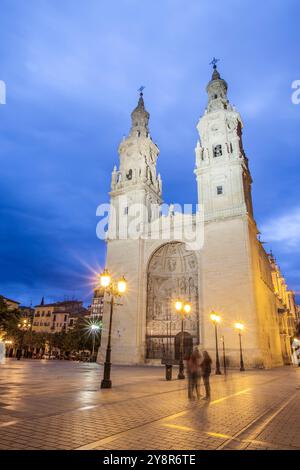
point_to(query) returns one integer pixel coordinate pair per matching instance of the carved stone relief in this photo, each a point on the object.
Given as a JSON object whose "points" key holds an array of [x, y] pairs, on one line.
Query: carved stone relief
{"points": [[172, 274]]}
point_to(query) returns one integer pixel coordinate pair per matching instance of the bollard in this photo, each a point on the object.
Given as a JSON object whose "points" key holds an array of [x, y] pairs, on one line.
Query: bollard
{"points": [[168, 371]]}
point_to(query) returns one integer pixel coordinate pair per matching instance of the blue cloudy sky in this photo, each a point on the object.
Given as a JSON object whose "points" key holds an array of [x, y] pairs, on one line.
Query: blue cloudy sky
{"points": [[72, 68]]}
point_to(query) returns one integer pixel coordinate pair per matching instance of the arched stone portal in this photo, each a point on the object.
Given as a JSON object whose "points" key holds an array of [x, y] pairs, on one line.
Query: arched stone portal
{"points": [[172, 273]]}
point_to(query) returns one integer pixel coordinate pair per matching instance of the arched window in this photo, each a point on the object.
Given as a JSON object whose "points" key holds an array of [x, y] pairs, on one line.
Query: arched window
{"points": [[217, 151]]}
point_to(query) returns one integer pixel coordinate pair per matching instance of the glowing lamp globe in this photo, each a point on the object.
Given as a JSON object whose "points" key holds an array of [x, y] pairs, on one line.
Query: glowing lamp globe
{"points": [[187, 308], [178, 305], [215, 318], [122, 285], [239, 326], [105, 279]]}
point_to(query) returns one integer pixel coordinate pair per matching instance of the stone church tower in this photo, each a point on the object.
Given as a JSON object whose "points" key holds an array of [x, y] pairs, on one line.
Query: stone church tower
{"points": [[136, 181], [230, 275], [235, 272]]}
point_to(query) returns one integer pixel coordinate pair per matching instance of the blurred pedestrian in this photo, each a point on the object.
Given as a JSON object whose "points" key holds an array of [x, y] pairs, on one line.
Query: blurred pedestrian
{"points": [[2, 352], [193, 368], [296, 352], [205, 371]]}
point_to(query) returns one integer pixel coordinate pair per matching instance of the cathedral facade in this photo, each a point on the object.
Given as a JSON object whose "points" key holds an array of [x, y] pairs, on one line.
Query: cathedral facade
{"points": [[230, 274]]}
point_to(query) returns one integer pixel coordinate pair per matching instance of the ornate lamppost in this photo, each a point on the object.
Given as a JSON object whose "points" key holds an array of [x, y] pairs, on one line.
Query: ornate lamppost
{"points": [[224, 355], [94, 329], [239, 327], [114, 289], [182, 308], [216, 320], [23, 326]]}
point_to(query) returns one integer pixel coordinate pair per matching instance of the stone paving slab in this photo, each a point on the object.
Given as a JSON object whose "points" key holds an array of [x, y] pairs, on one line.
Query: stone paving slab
{"points": [[58, 405], [203, 426]]}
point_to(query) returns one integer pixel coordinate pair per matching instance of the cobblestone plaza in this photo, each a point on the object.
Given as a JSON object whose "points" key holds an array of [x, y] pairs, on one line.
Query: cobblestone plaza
{"points": [[58, 405]]}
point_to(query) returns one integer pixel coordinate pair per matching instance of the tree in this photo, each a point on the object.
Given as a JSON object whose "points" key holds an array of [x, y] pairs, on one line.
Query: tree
{"points": [[39, 340], [9, 321], [79, 338]]}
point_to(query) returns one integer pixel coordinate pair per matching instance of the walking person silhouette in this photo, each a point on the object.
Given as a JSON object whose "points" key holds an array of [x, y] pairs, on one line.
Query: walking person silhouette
{"points": [[193, 368], [205, 371]]}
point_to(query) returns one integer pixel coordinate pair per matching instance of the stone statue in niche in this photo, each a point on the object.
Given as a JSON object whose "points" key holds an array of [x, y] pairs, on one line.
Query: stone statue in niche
{"points": [[155, 263], [172, 250], [158, 310], [192, 287], [183, 286], [171, 263], [192, 263]]}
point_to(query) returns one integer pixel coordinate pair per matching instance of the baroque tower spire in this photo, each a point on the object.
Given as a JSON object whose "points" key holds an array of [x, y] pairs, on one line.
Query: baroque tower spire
{"points": [[140, 119], [217, 92], [138, 156], [223, 176], [136, 180]]}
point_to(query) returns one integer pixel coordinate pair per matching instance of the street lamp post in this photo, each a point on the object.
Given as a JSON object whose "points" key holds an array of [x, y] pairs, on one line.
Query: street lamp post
{"points": [[23, 326], [216, 320], [182, 308], [224, 355], [239, 327], [94, 330], [114, 289]]}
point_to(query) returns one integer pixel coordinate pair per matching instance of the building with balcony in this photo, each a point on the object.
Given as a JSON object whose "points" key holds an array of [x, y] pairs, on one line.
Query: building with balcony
{"points": [[97, 306], [57, 317], [11, 304]]}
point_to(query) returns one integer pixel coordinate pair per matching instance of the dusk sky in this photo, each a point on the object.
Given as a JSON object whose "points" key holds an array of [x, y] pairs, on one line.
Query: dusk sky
{"points": [[72, 69]]}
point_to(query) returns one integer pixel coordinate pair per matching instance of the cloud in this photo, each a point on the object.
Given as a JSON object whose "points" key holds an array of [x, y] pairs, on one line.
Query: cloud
{"points": [[284, 228], [72, 70]]}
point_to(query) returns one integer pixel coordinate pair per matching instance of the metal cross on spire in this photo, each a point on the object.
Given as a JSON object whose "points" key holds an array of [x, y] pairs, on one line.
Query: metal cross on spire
{"points": [[141, 89], [214, 62]]}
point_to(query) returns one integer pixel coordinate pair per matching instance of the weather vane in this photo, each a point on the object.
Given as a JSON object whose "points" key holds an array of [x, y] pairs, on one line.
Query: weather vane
{"points": [[214, 62], [141, 89]]}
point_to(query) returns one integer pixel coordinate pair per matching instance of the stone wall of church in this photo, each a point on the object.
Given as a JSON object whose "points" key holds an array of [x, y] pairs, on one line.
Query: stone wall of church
{"points": [[234, 280], [226, 281], [126, 257], [131, 321], [265, 299], [236, 283]]}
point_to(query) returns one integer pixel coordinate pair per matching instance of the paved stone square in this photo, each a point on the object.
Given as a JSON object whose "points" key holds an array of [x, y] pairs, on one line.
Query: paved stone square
{"points": [[58, 405]]}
